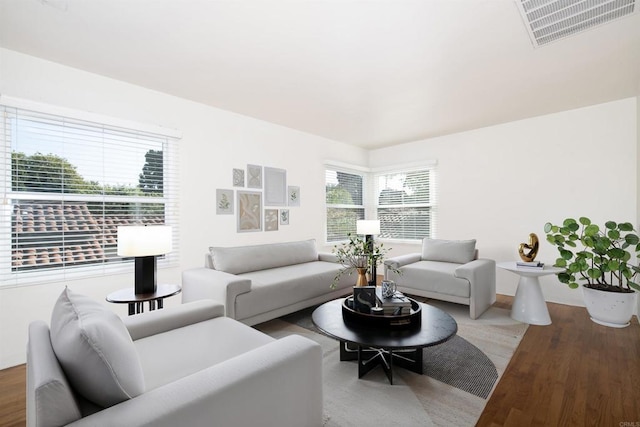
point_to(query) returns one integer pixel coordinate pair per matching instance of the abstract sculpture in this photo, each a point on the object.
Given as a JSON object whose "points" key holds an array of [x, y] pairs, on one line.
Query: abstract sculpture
{"points": [[532, 246]]}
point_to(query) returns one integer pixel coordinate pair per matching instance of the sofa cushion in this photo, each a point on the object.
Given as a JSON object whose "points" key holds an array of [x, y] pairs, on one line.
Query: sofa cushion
{"points": [[435, 276], [457, 251], [244, 259], [201, 345], [95, 350], [280, 287]]}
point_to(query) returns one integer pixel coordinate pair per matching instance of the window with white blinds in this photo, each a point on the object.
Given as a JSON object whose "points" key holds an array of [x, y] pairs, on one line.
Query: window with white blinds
{"points": [[406, 203], [68, 184], [345, 202]]}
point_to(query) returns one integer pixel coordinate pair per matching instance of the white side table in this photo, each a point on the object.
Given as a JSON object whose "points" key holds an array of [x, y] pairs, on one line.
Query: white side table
{"points": [[529, 305]]}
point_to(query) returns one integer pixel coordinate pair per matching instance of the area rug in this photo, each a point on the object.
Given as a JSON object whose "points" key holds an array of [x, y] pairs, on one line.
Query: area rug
{"points": [[459, 374]]}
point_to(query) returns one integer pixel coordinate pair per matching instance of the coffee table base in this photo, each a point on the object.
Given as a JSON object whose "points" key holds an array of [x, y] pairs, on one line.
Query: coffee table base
{"points": [[369, 357]]}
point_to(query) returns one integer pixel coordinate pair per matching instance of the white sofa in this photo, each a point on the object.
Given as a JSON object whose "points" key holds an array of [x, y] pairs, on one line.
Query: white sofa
{"points": [[262, 282], [447, 270], [180, 366]]}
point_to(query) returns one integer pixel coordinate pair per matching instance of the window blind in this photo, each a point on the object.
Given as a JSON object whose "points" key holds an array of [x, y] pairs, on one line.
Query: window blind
{"points": [[406, 204], [68, 184], [344, 201]]}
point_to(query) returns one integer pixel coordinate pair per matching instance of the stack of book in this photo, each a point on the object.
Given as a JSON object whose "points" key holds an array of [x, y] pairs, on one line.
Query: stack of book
{"points": [[534, 265], [392, 306]]}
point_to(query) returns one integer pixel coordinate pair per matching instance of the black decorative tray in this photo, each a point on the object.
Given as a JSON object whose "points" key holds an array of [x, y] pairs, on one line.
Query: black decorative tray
{"points": [[400, 321]]}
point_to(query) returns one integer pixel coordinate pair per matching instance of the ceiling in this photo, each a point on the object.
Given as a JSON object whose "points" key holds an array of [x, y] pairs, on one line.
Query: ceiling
{"points": [[371, 73]]}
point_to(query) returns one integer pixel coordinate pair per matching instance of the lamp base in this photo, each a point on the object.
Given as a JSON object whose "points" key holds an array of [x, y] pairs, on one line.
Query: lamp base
{"points": [[145, 275], [372, 278]]}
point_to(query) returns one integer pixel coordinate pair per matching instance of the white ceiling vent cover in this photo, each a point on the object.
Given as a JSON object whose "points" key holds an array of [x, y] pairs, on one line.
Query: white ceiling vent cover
{"points": [[551, 20]]}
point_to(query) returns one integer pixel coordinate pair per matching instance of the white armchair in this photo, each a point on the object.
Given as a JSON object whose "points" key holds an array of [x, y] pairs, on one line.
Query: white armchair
{"points": [[180, 366], [447, 270]]}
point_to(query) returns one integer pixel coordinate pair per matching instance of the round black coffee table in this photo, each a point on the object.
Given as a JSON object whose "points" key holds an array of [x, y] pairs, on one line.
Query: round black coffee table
{"points": [[384, 346]]}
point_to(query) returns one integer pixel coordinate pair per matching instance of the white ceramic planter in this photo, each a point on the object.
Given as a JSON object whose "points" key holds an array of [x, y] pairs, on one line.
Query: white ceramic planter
{"points": [[613, 309]]}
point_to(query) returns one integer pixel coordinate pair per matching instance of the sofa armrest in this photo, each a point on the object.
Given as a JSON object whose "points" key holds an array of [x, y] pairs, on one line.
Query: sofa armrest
{"points": [[399, 261], [159, 321], [477, 271], [207, 283], [236, 392], [327, 257], [481, 275], [49, 395]]}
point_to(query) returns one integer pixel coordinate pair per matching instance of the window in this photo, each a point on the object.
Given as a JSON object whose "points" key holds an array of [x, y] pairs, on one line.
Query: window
{"points": [[345, 203], [406, 204], [68, 184]]}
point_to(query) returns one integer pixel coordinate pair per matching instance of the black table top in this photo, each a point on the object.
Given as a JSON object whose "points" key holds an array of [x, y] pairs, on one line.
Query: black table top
{"points": [[127, 295], [437, 327]]}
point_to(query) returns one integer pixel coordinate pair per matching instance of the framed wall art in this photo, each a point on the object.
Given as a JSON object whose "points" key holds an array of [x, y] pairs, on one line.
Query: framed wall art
{"points": [[294, 196], [254, 176], [249, 211], [275, 187], [271, 220], [238, 177], [284, 216], [224, 202]]}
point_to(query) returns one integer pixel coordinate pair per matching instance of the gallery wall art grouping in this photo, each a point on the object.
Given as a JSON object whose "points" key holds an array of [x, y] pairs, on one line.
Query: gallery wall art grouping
{"points": [[260, 200]]}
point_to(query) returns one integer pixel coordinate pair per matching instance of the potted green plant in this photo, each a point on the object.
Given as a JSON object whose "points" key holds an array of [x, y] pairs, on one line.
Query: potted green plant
{"points": [[357, 255], [604, 260]]}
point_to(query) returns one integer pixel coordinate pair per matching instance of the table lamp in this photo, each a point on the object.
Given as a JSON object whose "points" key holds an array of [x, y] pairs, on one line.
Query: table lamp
{"points": [[144, 242], [369, 228]]}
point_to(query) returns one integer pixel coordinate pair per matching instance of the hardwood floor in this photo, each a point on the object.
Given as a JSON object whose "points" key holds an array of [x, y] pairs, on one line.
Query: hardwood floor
{"points": [[12, 396], [570, 373]]}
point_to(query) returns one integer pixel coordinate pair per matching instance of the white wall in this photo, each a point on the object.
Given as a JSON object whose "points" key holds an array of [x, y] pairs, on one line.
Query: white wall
{"points": [[638, 175], [500, 183], [638, 161], [214, 142]]}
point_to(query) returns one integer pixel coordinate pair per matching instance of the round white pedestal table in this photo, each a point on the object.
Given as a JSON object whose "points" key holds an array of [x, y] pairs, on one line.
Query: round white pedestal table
{"points": [[529, 305]]}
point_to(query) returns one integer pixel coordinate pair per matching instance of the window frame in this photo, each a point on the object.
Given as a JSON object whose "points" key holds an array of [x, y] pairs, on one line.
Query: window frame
{"points": [[352, 170], [169, 139], [430, 168]]}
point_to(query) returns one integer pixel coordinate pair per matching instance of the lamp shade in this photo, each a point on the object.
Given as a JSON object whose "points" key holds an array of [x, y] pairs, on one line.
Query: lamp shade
{"points": [[144, 240], [368, 227]]}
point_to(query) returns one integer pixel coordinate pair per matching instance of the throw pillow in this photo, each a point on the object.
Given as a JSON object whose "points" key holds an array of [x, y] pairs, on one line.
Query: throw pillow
{"points": [[457, 251], [95, 350]]}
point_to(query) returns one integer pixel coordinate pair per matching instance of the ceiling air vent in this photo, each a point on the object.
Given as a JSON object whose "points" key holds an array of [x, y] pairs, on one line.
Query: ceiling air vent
{"points": [[551, 20]]}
